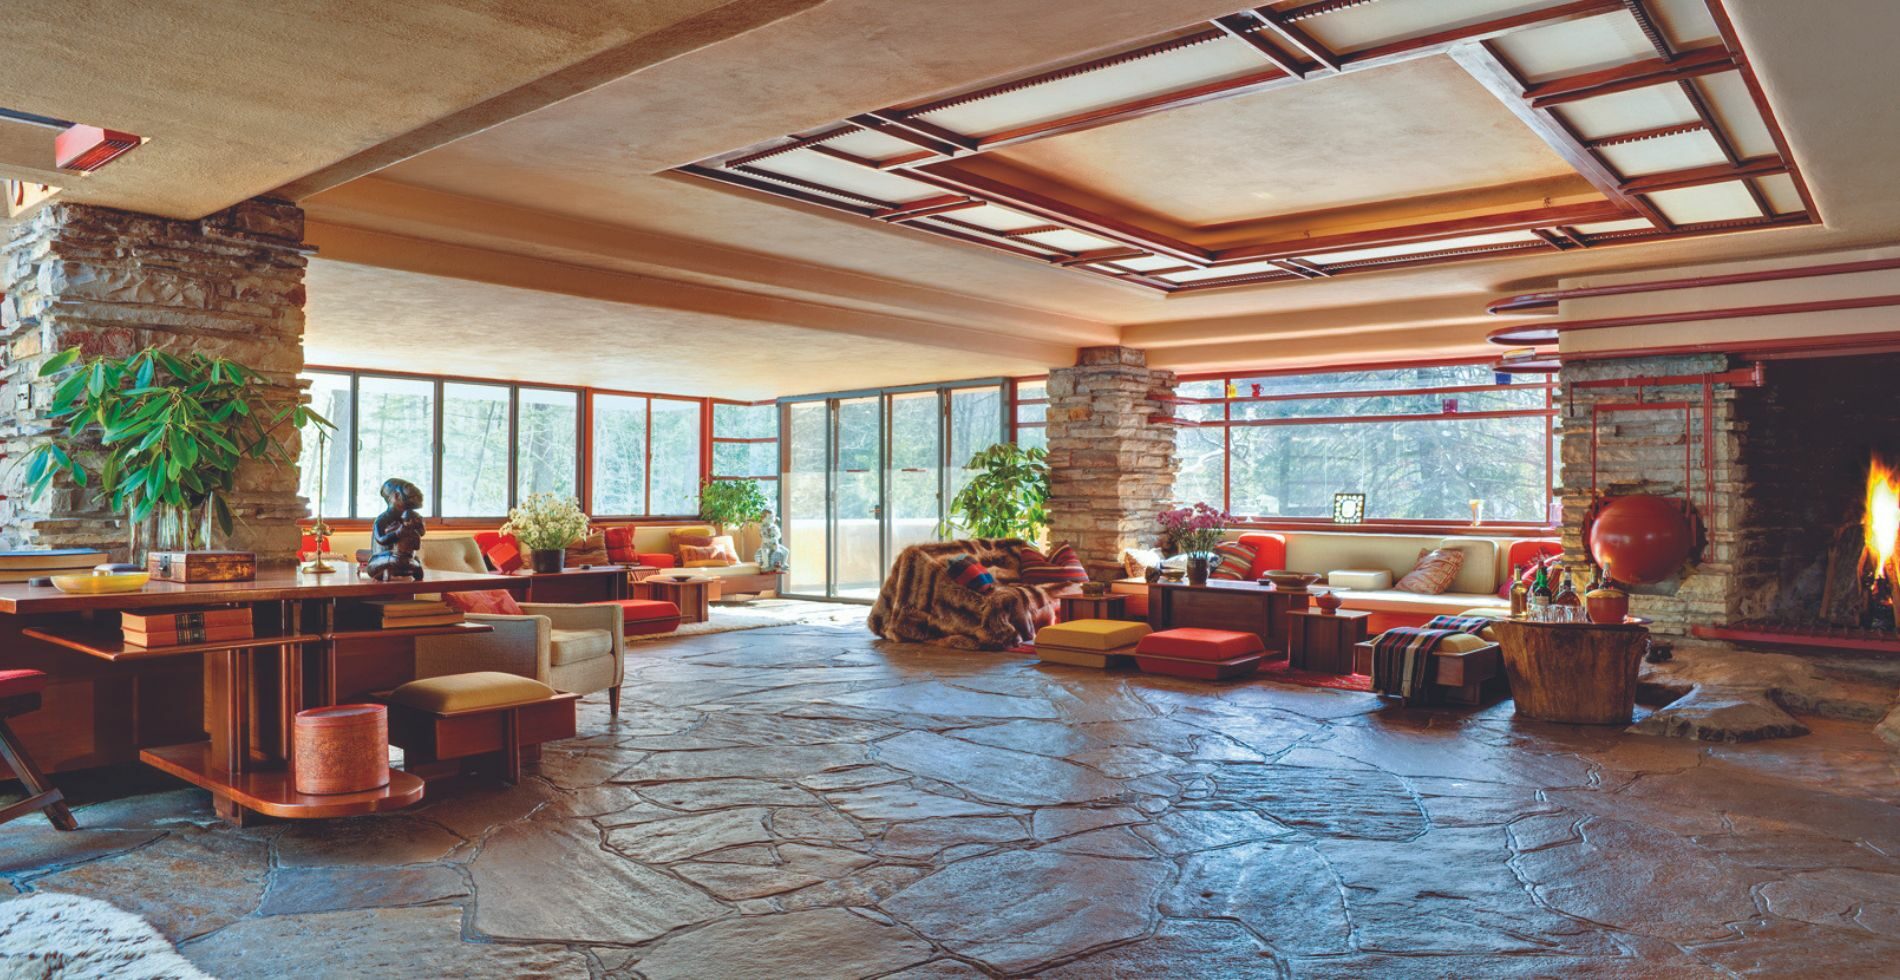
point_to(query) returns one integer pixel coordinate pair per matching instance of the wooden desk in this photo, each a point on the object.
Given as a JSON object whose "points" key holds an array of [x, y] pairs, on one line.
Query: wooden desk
{"points": [[1221, 605], [219, 715]]}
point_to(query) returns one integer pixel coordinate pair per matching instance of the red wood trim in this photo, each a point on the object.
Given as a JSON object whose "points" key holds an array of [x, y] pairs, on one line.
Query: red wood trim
{"points": [[1719, 10], [942, 204], [1658, 132], [1732, 313], [1298, 38], [1300, 396], [763, 187], [1708, 59], [952, 177], [736, 439], [1524, 413], [1718, 173], [1490, 70], [1440, 42], [1103, 255], [854, 159], [1248, 30], [1446, 528], [1652, 33], [814, 186], [1392, 365], [1789, 348], [1033, 230], [795, 143], [1192, 95], [919, 131], [1428, 231], [1187, 40], [955, 234]]}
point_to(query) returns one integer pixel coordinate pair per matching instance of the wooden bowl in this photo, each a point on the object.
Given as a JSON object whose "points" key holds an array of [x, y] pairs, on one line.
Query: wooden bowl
{"points": [[1289, 581], [94, 583]]}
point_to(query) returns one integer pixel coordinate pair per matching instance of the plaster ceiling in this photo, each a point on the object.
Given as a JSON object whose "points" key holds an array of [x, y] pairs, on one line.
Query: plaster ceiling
{"points": [[1413, 129], [580, 182]]}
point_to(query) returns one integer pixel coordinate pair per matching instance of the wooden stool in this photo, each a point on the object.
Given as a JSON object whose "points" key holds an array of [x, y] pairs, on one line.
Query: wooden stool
{"points": [[441, 723], [19, 694]]}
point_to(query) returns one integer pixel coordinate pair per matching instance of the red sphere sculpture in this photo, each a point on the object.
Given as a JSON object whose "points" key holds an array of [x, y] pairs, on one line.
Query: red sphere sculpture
{"points": [[1642, 539]]}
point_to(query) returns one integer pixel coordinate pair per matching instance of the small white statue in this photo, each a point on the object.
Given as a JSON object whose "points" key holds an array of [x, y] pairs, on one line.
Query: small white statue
{"points": [[771, 555]]}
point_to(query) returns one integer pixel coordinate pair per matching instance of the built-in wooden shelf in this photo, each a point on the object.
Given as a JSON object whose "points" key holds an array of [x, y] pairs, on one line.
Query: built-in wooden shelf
{"points": [[109, 644], [342, 636], [273, 792]]}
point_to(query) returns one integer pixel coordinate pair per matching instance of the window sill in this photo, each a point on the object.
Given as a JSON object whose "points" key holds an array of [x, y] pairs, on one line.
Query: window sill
{"points": [[1500, 529]]}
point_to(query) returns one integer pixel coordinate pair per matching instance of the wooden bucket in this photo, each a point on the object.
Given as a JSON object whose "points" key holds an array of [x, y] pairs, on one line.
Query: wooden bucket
{"points": [[343, 748], [1576, 673]]}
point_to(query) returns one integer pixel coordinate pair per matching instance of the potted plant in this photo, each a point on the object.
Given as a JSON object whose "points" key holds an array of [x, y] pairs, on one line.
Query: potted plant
{"points": [[732, 503], [1008, 497], [162, 437], [545, 524], [1194, 531]]}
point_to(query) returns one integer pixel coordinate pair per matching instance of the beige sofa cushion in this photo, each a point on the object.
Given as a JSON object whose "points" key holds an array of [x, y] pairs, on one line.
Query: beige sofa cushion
{"points": [[442, 551], [574, 646], [1479, 573], [1328, 551], [1355, 578], [1394, 601]]}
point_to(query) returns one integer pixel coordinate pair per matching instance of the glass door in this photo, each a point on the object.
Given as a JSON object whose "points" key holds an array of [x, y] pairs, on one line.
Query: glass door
{"points": [[805, 483], [915, 482], [857, 479]]}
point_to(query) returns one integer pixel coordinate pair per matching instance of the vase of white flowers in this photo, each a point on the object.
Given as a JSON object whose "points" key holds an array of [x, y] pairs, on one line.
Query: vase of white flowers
{"points": [[543, 526]]}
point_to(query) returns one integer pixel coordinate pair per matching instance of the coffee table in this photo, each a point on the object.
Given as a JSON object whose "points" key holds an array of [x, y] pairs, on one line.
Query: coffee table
{"points": [[692, 595]]}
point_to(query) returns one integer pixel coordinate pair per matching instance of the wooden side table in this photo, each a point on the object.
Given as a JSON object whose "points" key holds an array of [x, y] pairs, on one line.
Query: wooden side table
{"points": [[1106, 606], [1322, 641], [693, 595]]}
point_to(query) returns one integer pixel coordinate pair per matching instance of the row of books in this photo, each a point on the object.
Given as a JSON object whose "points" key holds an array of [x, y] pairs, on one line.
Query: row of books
{"points": [[178, 627]]}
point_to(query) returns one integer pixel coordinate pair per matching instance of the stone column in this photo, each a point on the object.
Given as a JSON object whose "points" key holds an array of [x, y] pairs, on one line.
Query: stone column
{"points": [[113, 282], [1111, 468]]}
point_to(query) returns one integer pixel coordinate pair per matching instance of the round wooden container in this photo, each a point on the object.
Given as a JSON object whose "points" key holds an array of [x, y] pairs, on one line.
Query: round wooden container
{"points": [[343, 748]]}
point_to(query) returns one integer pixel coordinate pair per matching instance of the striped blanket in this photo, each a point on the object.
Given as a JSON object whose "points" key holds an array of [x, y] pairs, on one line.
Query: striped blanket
{"points": [[1402, 661]]}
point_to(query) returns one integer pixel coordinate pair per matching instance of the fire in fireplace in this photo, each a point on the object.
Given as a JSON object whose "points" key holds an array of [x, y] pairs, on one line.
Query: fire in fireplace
{"points": [[1879, 562]]}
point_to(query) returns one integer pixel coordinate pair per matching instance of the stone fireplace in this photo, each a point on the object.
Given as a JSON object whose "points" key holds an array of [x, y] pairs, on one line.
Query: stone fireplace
{"points": [[1789, 460]]}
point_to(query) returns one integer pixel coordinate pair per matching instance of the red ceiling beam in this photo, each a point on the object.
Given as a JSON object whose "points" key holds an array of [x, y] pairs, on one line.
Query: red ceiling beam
{"points": [[796, 143], [765, 187], [1246, 28], [1424, 232], [963, 181], [1440, 42], [1706, 60], [1651, 32], [928, 206], [1485, 65], [1716, 173], [1656, 133], [1297, 37]]}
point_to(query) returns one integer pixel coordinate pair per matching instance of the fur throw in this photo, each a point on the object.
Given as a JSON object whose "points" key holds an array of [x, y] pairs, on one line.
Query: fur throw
{"points": [[922, 603]]}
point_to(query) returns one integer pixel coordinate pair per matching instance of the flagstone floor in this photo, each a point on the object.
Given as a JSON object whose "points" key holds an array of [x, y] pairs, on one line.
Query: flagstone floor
{"points": [[802, 801]]}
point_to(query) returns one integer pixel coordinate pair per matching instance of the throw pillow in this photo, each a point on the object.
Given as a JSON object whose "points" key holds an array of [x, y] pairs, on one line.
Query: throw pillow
{"points": [[970, 573], [590, 550], [706, 556], [1434, 572], [503, 554], [1233, 560], [620, 546], [1060, 565], [698, 535], [1137, 561], [499, 602]]}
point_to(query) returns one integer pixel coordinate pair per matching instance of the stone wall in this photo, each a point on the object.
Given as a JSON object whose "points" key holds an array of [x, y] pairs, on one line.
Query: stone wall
{"points": [[113, 282], [1643, 452], [1111, 468]]}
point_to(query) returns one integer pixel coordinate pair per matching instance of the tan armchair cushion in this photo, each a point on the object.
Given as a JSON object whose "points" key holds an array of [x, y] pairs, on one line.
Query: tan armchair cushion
{"points": [[574, 646], [461, 692]]}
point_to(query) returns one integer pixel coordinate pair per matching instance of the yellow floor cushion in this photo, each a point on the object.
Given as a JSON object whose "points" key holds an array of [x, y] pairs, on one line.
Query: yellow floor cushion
{"points": [[461, 692], [1462, 643], [1092, 634], [574, 646]]}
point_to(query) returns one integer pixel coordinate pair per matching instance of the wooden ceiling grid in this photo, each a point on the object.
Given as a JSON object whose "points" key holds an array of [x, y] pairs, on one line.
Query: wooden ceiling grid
{"points": [[906, 164]]}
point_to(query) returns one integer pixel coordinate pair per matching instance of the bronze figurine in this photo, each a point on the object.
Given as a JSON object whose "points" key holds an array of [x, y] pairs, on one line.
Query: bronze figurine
{"points": [[396, 537]]}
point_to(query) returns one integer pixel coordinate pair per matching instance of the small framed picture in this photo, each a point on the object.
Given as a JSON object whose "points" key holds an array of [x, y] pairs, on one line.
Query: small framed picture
{"points": [[1349, 508]]}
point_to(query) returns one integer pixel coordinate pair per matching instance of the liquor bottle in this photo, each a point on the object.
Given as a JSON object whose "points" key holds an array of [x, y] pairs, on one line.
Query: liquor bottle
{"points": [[1520, 592], [1596, 578], [1568, 605], [1540, 597]]}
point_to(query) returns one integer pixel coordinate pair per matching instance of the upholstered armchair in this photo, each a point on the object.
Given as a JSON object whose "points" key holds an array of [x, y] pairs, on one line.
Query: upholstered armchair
{"points": [[577, 648]]}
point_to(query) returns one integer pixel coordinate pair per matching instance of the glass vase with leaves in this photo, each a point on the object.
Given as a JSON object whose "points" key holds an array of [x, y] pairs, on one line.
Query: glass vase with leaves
{"points": [[732, 503], [161, 437], [1007, 495]]}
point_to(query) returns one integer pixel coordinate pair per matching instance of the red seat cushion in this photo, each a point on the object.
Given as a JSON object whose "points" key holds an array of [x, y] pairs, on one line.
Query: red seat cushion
{"points": [[15, 683], [1189, 643], [499, 602], [658, 559], [643, 617]]}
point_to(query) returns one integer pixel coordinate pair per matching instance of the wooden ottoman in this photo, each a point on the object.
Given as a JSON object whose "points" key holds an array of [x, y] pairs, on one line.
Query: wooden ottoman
{"points": [[444, 724], [1464, 666], [1200, 654], [1093, 643]]}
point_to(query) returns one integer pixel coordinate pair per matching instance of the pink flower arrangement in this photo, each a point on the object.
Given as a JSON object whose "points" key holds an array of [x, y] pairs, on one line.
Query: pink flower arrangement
{"points": [[1194, 530]]}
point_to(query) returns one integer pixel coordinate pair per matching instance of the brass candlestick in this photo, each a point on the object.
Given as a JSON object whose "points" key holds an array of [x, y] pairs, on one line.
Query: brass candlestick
{"points": [[319, 530]]}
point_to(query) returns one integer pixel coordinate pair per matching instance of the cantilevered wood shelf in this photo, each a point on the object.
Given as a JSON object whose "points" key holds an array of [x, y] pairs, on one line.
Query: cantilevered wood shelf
{"points": [[109, 644], [345, 636], [273, 792]]}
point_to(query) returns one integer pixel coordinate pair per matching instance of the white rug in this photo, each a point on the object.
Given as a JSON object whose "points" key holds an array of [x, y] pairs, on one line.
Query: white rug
{"points": [[50, 936], [759, 614]]}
